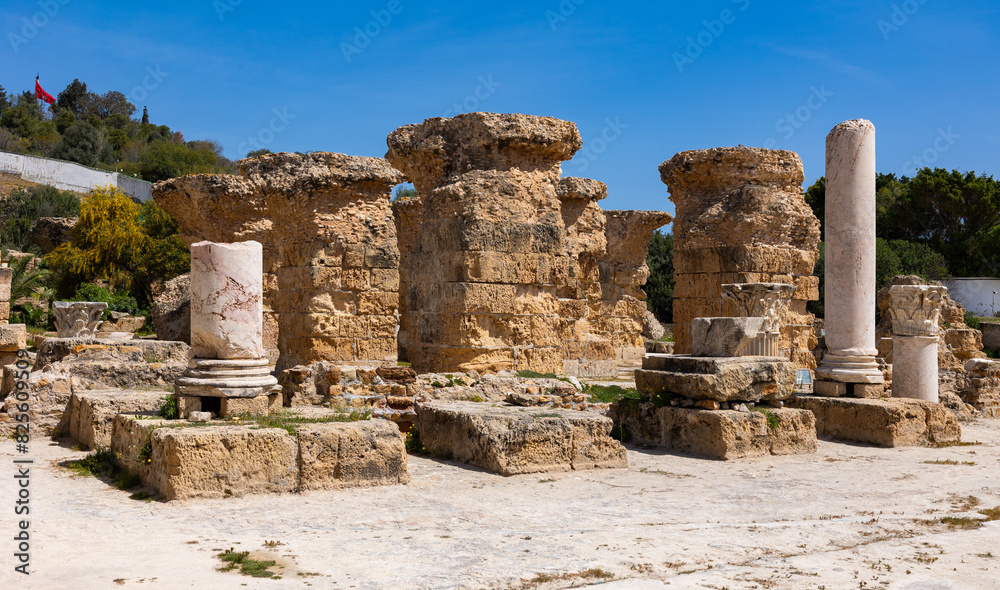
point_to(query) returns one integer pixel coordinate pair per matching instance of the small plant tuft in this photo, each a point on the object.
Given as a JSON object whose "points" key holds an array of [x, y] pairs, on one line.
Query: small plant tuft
{"points": [[248, 567], [169, 409]]}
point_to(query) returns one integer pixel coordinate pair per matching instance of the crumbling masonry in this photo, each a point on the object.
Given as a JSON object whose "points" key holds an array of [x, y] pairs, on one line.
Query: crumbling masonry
{"points": [[741, 218]]}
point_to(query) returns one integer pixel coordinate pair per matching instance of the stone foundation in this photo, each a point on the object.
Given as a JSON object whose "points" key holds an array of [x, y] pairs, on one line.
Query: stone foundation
{"points": [[223, 461], [717, 434], [516, 440], [92, 413], [885, 423]]}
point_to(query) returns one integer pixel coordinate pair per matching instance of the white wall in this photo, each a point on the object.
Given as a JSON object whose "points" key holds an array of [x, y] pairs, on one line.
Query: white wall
{"points": [[977, 295], [68, 176]]}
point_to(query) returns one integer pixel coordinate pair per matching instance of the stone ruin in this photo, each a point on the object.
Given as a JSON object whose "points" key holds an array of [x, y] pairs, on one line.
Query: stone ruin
{"points": [[965, 375], [850, 400], [742, 218], [504, 264], [329, 241]]}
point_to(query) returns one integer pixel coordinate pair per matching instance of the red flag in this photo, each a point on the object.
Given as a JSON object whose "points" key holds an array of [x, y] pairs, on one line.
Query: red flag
{"points": [[41, 94]]}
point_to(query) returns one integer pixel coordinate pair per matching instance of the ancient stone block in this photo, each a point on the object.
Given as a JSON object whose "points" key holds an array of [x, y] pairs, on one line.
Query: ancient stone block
{"points": [[351, 454], [886, 423], [746, 379], [724, 434], [92, 413], [511, 441], [723, 337]]}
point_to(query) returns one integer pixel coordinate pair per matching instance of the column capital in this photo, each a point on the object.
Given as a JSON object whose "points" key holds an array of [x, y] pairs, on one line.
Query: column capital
{"points": [[915, 309]]}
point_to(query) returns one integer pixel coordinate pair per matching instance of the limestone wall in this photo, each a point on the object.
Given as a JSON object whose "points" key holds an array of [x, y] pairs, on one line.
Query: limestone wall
{"points": [[330, 254], [742, 218]]}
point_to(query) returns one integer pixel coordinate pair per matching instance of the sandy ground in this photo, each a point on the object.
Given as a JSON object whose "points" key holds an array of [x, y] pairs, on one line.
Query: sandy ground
{"points": [[847, 517]]}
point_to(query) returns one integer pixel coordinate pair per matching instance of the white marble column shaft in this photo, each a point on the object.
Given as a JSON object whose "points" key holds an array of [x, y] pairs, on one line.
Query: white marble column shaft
{"points": [[227, 311], [850, 255]]}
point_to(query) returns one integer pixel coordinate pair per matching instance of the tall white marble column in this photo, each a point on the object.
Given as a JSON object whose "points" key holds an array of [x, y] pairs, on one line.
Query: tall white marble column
{"points": [[849, 297], [915, 311]]}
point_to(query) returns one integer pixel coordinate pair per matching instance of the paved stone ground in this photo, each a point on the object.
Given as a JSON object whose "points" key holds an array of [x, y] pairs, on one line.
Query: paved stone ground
{"points": [[849, 516]]}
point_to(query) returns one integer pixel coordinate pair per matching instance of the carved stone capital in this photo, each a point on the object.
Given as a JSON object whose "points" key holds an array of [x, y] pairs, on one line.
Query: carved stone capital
{"points": [[915, 309], [766, 300]]}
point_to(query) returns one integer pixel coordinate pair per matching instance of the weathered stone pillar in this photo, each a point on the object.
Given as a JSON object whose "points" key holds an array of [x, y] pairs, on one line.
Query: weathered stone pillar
{"points": [[850, 258], [915, 311], [742, 218], [229, 372], [330, 258], [483, 281], [623, 274]]}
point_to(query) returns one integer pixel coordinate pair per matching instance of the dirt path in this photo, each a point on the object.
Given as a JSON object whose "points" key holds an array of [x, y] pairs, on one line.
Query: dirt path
{"points": [[846, 517]]}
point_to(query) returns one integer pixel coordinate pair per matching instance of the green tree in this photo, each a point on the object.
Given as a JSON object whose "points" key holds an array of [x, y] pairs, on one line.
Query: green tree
{"points": [[660, 286], [64, 120], [165, 160], [81, 143], [954, 213], [4, 100], [404, 192], [121, 242], [21, 120], [73, 98]]}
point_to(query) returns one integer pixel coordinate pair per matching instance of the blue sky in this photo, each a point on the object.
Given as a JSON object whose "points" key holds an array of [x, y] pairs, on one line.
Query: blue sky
{"points": [[642, 80]]}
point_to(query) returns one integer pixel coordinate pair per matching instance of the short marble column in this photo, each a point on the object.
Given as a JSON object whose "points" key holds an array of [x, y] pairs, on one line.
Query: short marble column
{"points": [[850, 258], [915, 310], [229, 373]]}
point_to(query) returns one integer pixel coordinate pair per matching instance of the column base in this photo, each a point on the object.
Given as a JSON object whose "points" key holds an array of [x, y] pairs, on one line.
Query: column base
{"points": [[849, 369], [226, 378]]}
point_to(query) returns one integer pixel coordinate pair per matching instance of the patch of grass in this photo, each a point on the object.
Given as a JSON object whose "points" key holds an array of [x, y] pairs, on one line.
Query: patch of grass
{"points": [[940, 462], [549, 415], [102, 463], [773, 422], [991, 514], [248, 567], [145, 454], [140, 496], [609, 394], [168, 409], [961, 522], [413, 444], [944, 445], [403, 364]]}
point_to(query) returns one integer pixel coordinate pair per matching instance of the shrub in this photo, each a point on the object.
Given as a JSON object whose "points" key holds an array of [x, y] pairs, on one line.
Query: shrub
{"points": [[23, 206], [972, 321], [127, 245]]}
